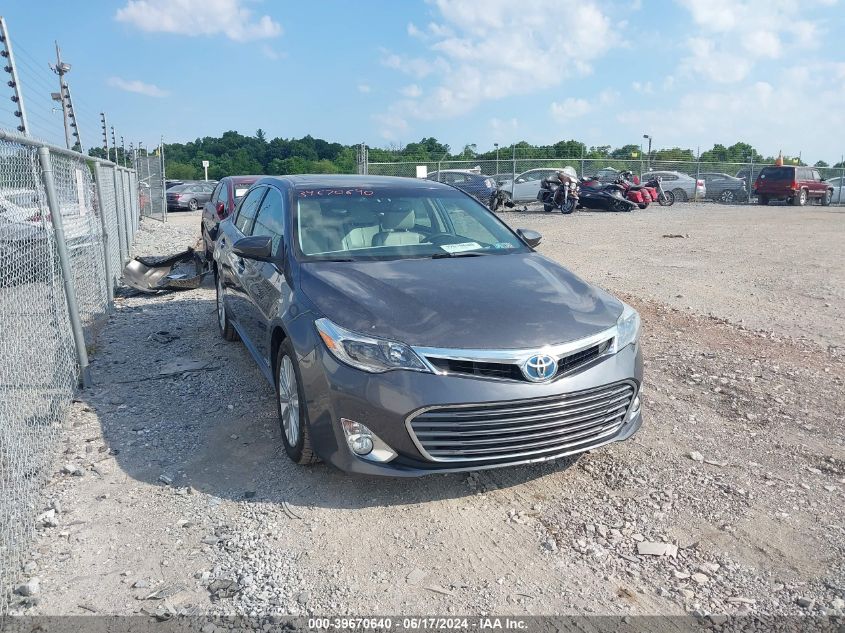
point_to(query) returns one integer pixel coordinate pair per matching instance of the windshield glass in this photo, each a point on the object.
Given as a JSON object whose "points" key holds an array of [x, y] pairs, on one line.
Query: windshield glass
{"points": [[380, 223]]}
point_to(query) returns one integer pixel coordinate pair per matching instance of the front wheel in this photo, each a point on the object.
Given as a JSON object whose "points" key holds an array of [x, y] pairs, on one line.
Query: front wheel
{"points": [[227, 330], [293, 417], [826, 199], [569, 206], [666, 199]]}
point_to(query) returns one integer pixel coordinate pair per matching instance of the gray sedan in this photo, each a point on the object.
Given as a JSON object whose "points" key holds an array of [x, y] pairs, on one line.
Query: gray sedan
{"points": [[188, 197], [407, 330]]}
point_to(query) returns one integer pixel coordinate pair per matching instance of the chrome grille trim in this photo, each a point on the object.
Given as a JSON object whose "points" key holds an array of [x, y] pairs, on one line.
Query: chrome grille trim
{"points": [[517, 356], [518, 429]]}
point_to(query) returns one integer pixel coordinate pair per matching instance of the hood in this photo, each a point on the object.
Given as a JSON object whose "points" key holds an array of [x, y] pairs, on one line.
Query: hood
{"points": [[490, 302]]}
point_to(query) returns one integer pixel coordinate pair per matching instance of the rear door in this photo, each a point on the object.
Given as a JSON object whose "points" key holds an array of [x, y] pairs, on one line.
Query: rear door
{"points": [[232, 267], [264, 282]]}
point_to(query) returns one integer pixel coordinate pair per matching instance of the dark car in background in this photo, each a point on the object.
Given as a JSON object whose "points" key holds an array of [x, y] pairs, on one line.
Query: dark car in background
{"points": [[796, 185], [407, 330], [724, 188], [474, 183], [188, 197], [220, 206]]}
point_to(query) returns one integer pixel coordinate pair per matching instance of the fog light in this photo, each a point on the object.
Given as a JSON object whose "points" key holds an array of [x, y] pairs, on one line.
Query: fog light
{"points": [[635, 407], [364, 443]]}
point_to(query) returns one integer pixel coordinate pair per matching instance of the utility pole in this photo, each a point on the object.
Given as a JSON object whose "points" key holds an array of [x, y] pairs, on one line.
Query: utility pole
{"points": [[60, 69], [105, 135], [14, 83], [72, 116]]}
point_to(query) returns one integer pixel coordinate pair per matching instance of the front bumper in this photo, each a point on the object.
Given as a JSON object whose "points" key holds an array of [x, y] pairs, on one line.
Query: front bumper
{"points": [[384, 402]]}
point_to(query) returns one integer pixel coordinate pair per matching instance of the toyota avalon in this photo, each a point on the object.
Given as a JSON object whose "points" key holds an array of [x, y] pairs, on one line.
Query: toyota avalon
{"points": [[407, 330]]}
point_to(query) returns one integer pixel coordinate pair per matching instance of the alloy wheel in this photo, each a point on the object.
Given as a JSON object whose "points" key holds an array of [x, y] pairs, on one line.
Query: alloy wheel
{"points": [[192, 205], [727, 196], [289, 400]]}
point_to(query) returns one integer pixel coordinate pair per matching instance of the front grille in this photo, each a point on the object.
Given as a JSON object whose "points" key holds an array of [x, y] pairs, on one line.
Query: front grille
{"points": [[512, 371], [476, 368], [507, 431]]}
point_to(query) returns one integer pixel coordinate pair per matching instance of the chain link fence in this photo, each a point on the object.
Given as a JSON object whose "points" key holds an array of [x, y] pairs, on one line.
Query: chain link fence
{"points": [[59, 261], [150, 170], [721, 182]]}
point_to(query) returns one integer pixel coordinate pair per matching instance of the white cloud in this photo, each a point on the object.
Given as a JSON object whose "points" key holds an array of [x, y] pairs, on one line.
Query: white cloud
{"points": [[570, 108], [137, 86], [412, 91], [467, 63], [732, 36], [645, 88], [364, 88], [783, 104], [199, 17], [271, 53]]}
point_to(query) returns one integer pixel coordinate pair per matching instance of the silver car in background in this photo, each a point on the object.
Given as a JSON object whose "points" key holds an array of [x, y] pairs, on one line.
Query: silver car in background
{"points": [[527, 184], [683, 186]]}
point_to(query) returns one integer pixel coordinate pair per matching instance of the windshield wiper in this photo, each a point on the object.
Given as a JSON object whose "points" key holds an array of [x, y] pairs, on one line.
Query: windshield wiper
{"points": [[336, 259], [460, 254]]}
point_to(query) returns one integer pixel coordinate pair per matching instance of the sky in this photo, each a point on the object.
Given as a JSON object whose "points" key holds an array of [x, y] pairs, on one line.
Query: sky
{"points": [[690, 73]]}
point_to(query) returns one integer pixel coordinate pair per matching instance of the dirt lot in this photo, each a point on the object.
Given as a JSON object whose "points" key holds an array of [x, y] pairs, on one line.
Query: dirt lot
{"points": [[183, 499]]}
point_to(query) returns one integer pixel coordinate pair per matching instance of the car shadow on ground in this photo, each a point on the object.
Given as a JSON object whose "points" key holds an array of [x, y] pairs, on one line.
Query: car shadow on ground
{"points": [[178, 404]]}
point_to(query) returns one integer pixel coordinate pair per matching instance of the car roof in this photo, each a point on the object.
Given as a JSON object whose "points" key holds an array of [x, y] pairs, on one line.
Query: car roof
{"points": [[354, 180], [243, 179]]}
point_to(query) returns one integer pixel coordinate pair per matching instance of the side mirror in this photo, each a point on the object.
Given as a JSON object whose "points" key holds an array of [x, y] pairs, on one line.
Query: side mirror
{"points": [[532, 238], [257, 247], [221, 210]]}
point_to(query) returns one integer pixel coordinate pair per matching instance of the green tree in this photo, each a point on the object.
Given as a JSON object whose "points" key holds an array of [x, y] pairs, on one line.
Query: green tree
{"points": [[821, 163]]}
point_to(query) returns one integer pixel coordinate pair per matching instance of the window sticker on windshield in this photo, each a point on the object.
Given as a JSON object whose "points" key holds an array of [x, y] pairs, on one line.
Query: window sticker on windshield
{"points": [[502, 245], [458, 248]]}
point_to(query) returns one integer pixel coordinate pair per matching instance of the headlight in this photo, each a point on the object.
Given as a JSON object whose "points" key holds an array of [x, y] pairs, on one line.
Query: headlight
{"points": [[627, 327], [375, 355], [489, 184]]}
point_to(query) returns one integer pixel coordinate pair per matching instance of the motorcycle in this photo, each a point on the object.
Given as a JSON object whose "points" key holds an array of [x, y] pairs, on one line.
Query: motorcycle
{"points": [[559, 192], [595, 195], [664, 198], [641, 195]]}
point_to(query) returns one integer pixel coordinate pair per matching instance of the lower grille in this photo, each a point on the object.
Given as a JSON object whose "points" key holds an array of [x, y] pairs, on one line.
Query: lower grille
{"points": [[519, 429]]}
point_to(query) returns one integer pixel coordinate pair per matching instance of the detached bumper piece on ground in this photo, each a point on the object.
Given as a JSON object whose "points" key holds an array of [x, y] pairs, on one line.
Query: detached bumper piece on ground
{"points": [[182, 271]]}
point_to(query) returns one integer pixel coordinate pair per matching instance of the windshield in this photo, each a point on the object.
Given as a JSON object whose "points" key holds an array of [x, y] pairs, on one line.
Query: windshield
{"points": [[778, 173], [380, 223]]}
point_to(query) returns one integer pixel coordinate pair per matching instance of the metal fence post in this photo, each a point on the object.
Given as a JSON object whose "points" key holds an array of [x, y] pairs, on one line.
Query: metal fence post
{"points": [[121, 229], [127, 211], [64, 264], [750, 177], [697, 176], [163, 184], [104, 225], [842, 181]]}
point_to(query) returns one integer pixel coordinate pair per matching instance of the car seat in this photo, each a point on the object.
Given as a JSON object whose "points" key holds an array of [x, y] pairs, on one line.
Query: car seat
{"points": [[396, 225]]}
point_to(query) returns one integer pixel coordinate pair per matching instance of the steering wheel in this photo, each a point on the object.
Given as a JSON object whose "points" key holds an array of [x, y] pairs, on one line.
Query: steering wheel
{"points": [[442, 238]]}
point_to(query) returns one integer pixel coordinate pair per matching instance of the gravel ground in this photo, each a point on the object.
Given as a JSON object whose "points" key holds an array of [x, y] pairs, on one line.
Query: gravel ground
{"points": [[173, 493]]}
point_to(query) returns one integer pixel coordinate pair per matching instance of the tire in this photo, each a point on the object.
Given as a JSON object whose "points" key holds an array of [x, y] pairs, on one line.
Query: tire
{"points": [[667, 199], [227, 330], [764, 200], [728, 196], [621, 207], [293, 418], [800, 199], [827, 197], [548, 208], [644, 205], [680, 195], [569, 207]]}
